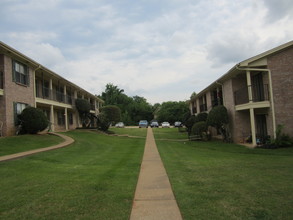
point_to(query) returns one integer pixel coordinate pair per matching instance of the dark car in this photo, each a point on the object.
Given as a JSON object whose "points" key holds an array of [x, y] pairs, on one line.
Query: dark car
{"points": [[154, 124], [143, 124]]}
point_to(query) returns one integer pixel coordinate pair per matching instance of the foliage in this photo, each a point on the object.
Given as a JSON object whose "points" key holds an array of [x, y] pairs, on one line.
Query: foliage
{"points": [[193, 95], [189, 123], [132, 109], [103, 122], [282, 140], [218, 117], [33, 120], [83, 107], [172, 111], [202, 116], [112, 113], [201, 129]]}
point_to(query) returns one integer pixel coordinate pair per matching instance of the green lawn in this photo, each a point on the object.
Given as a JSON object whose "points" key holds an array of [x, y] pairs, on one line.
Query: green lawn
{"points": [[169, 133], [16, 144], [94, 178], [213, 180], [130, 131]]}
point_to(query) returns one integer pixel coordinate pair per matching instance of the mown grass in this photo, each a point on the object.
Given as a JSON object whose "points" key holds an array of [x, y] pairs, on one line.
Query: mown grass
{"points": [[141, 132], [169, 133], [94, 178], [16, 144], [213, 180]]}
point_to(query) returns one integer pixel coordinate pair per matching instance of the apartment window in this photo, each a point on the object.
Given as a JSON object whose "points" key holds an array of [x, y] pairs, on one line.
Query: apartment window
{"points": [[70, 118], [60, 118], [20, 73], [18, 108]]}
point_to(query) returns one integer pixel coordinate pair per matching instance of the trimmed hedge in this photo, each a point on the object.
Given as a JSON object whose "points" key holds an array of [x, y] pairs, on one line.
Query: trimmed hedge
{"points": [[33, 120]]}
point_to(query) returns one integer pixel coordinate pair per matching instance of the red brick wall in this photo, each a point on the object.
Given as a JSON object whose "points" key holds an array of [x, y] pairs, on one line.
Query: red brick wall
{"points": [[281, 66], [14, 92]]}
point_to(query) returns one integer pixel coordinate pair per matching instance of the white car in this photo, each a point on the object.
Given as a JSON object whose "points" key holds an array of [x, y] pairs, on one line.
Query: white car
{"points": [[165, 124], [119, 125]]}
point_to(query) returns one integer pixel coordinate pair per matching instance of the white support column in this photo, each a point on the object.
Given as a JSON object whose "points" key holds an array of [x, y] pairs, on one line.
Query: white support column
{"points": [[248, 78], [51, 88], [251, 110], [252, 124], [65, 97], [66, 119], [52, 119]]}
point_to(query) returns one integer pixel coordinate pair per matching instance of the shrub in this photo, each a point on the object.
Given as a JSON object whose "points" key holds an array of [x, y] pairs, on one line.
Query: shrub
{"points": [[103, 122], [218, 117], [33, 120], [83, 107], [109, 114], [201, 117], [112, 113], [199, 128], [189, 123], [282, 140]]}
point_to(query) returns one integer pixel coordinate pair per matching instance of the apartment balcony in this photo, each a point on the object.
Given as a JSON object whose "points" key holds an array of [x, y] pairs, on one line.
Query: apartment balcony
{"points": [[260, 97], [53, 95]]}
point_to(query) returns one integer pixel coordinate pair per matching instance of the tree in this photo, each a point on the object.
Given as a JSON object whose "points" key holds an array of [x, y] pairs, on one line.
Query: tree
{"points": [[218, 118], [193, 95], [33, 120], [202, 116], [132, 109], [112, 94], [83, 107], [172, 111], [112, 113]]}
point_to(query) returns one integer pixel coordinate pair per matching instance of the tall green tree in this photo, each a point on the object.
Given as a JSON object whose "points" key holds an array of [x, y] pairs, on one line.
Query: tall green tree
{"points": [[132, 109], [173, 111]]}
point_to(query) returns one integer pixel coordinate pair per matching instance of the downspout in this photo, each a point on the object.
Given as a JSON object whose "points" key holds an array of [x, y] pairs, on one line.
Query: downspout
{"points": [[271, 92], [34, 81]]}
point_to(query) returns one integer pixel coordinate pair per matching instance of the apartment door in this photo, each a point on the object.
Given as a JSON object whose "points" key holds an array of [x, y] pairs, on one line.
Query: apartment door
{"points": [[261, 126], [257, 88]]}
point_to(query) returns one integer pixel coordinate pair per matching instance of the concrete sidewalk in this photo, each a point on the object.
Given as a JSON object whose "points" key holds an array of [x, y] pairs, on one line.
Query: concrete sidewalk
{"points": [[154, 198], [66, 142]]}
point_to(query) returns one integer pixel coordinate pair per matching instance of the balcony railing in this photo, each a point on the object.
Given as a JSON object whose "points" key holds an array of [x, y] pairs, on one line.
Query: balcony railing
{"points": [[50, 94], [1, 80], [259, 94]]}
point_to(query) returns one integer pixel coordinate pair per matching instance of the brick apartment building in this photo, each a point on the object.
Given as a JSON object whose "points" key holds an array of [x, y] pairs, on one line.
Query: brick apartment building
{"points": [[257, 93], [24, 82]]}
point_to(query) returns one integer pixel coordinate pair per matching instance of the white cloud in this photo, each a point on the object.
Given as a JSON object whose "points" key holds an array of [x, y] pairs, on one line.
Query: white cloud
{"points": [[160, 50]]}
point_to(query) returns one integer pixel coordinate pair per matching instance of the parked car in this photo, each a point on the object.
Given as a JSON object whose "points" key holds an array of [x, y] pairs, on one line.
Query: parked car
{"points": [[143, 124], [154, 124], [119, 125], [177, 124], [165, 124]]}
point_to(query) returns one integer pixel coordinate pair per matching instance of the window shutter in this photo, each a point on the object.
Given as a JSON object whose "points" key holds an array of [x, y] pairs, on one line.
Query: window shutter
{"points": [[13, 71], [27, 75], [15, 113]]}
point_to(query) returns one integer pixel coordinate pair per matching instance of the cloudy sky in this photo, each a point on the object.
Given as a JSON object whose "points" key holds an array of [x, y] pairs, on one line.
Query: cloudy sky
{"points": [[162, 50]]}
